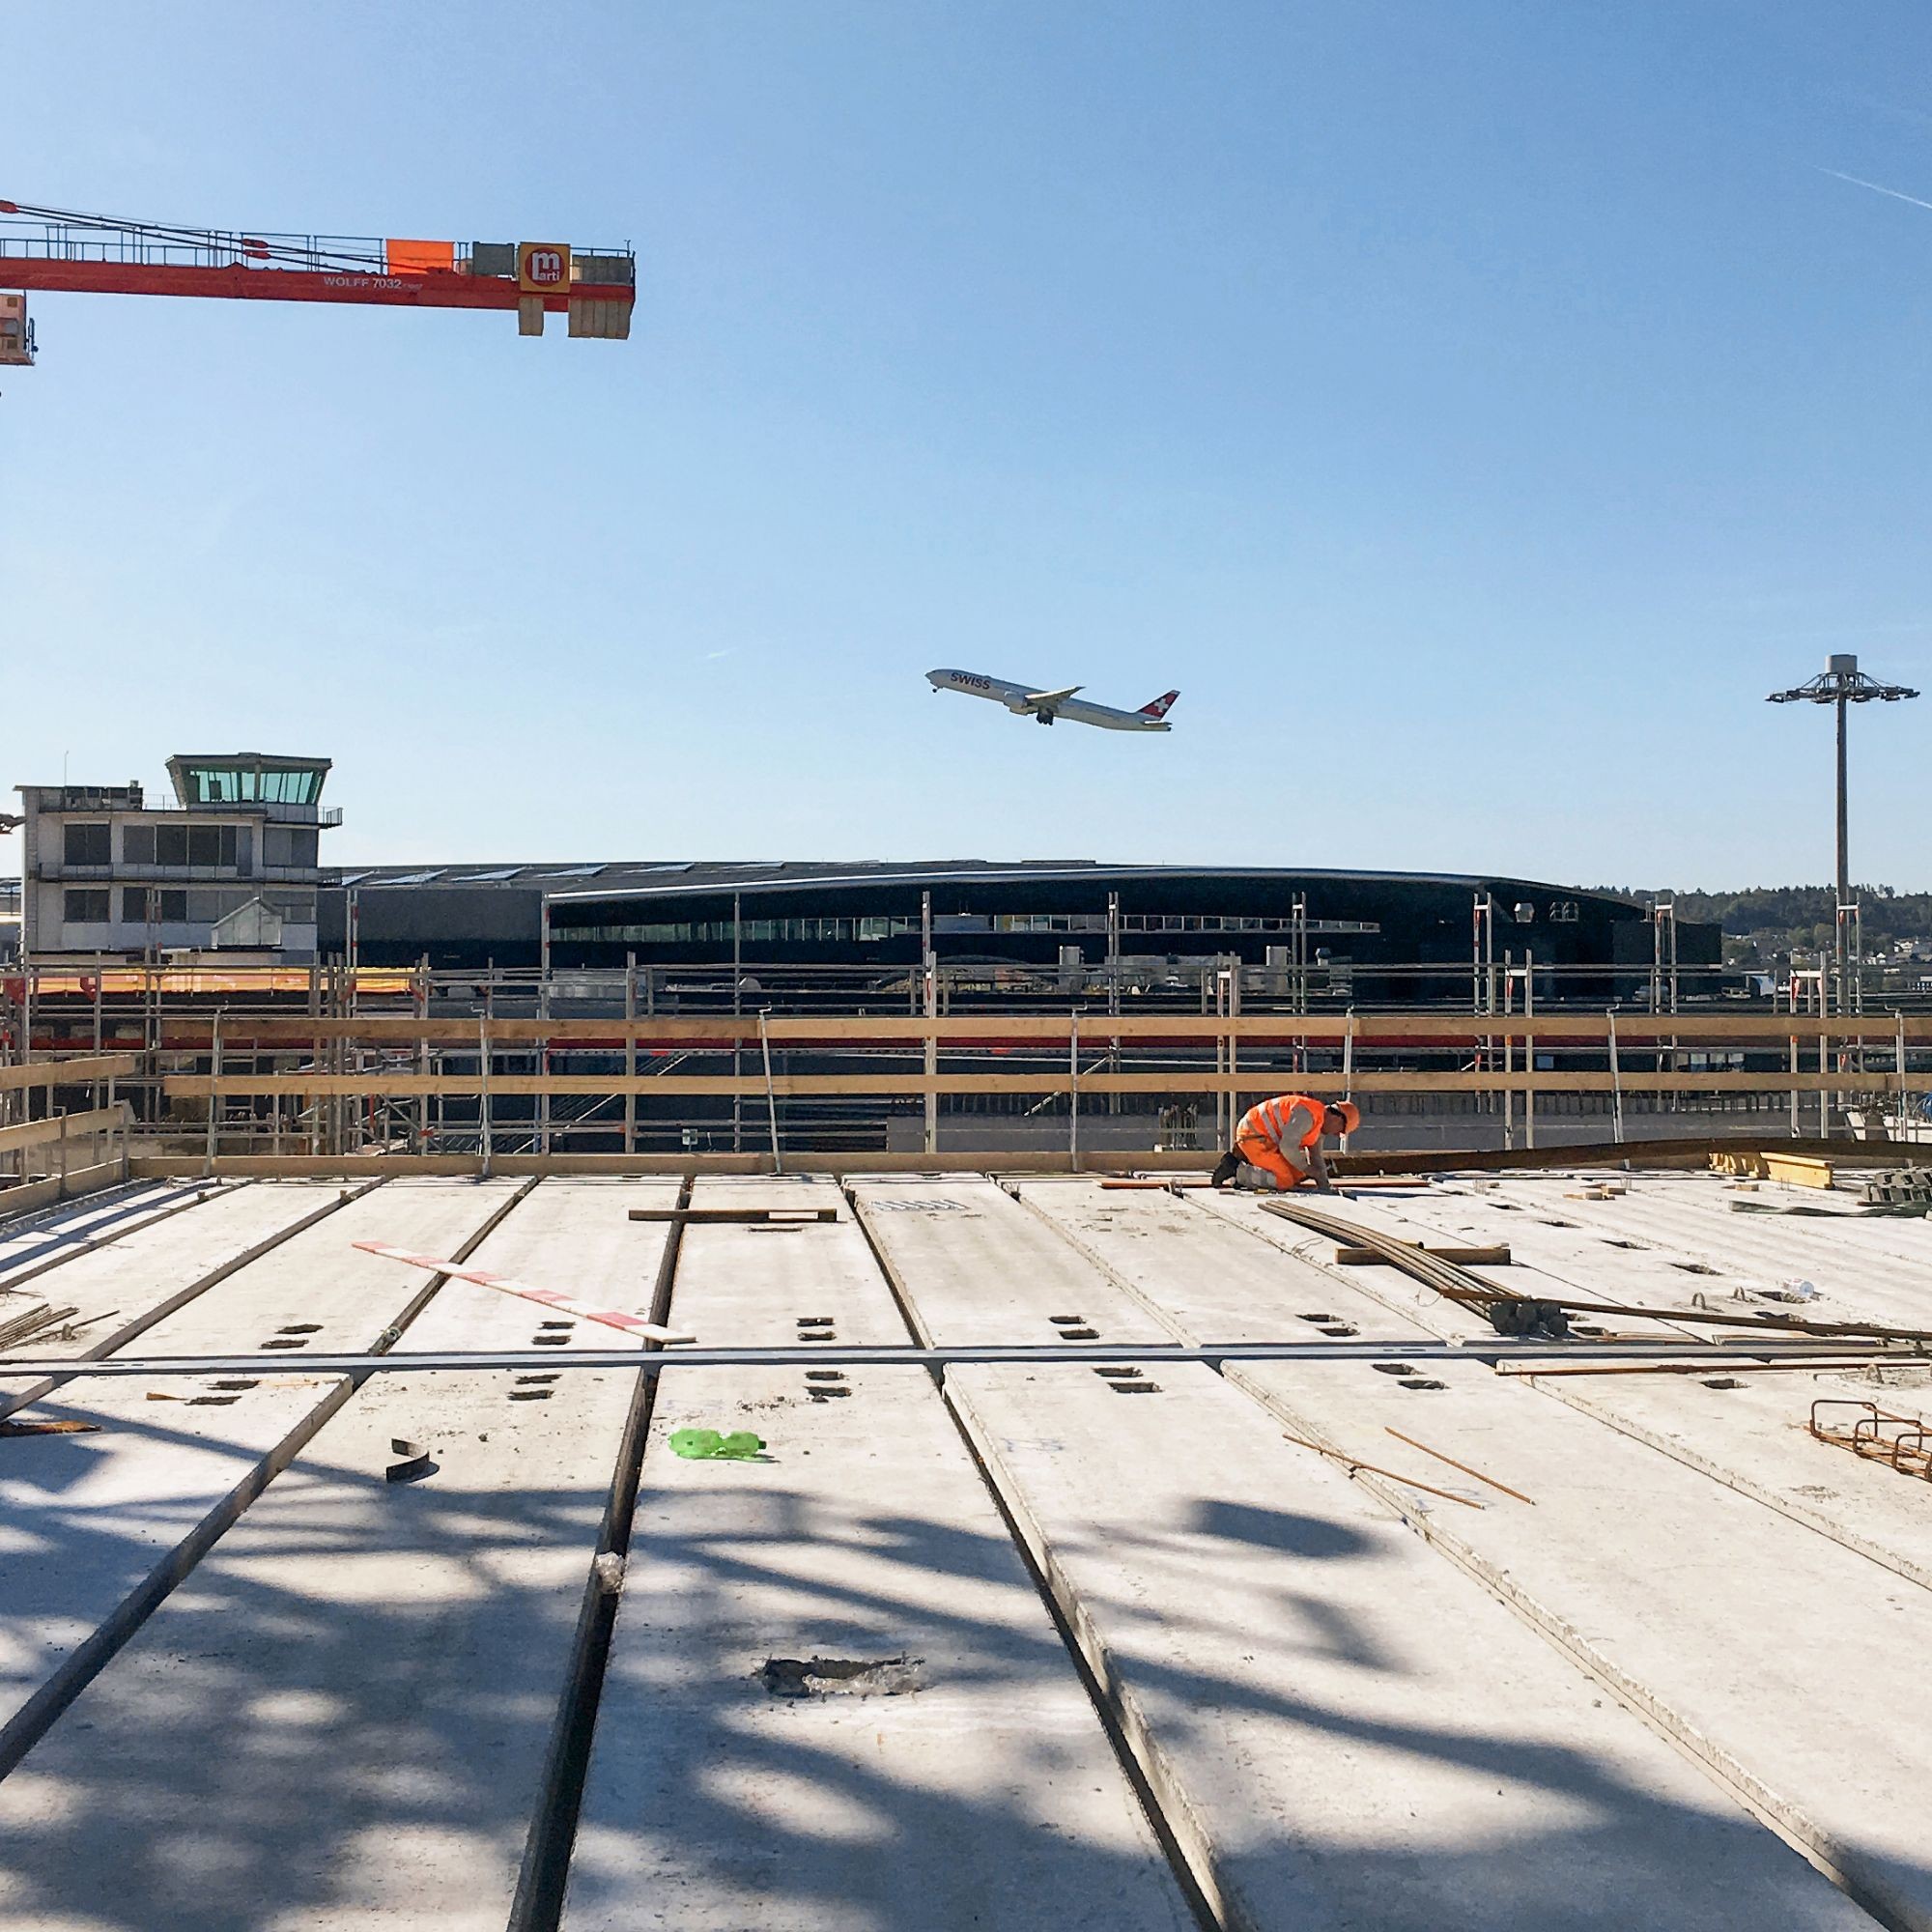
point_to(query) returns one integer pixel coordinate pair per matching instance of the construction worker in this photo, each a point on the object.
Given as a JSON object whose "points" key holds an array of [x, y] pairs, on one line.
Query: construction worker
{"points": [[1281, 1139]]}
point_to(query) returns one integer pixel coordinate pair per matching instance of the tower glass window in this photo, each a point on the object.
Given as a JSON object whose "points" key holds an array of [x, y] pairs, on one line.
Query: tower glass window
{"points": [[247, 778]]}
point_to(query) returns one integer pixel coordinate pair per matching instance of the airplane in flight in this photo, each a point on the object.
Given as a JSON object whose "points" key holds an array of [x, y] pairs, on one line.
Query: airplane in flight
{"points": [[1044, 707]]}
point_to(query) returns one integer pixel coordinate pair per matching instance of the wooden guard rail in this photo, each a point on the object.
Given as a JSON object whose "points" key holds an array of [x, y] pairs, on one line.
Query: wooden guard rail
{"points": [[1637, 1032], [1622, 1038], [49, 1143]]}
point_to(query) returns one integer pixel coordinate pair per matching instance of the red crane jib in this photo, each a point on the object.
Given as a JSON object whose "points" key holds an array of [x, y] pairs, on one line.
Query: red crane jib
{"points": [[426, 289]]}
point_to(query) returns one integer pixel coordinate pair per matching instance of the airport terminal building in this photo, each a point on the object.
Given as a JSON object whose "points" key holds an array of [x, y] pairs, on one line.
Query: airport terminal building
{"points": [[1055, 924], [230, 867]]}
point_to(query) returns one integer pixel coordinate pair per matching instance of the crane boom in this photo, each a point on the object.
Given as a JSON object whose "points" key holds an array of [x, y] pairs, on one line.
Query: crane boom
{"points": [[59, 251]]}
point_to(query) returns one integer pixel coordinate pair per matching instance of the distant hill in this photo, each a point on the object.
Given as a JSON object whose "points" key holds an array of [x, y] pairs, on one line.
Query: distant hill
{"points": [[1765, 921]]}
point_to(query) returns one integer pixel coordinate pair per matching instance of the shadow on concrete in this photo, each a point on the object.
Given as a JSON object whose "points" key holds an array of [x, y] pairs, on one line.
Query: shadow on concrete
{"points": [[81, 1223], [1315, 1539], [682, 1790], [262, 1755]]}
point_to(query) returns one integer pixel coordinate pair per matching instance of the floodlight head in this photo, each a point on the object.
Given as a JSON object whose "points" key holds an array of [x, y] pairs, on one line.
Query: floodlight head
{"points": [[1843, 682]]}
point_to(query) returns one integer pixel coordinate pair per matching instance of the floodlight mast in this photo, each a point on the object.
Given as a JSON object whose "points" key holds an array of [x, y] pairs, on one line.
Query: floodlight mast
{"points": [[1840, 684]]}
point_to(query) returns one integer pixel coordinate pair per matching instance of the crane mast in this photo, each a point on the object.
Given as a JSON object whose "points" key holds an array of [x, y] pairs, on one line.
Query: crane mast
{"points": [[59, 251]]}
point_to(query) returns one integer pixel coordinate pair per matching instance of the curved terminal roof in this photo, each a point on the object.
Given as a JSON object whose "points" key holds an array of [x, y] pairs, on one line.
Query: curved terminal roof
{"points": [[587, 882]]}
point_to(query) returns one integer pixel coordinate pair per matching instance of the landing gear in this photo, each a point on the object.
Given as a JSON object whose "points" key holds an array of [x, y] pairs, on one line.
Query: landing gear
{"points": [[1043, 717]]}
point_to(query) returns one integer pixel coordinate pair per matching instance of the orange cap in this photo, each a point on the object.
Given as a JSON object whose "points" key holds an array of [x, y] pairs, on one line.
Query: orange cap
{"points": [[1352, 1115]]}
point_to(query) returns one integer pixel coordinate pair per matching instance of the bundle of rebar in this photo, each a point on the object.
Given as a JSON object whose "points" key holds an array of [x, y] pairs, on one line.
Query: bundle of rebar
{"points": [[32, 1322], [1506, 1311]]}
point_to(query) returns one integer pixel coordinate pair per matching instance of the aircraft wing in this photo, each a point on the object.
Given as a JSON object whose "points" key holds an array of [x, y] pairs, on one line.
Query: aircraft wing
{"points": [[1053, 696]]}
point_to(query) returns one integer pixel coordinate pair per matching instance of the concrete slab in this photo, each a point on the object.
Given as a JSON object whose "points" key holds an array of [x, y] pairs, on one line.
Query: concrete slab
{"points": [[1749, 1429], [1341, 1732], [1691, 1600], [347, 1716], [123, 1288], [1875, 1269], [965, 1780], [32, 1243], [1545, 1261], [95, 1529]]}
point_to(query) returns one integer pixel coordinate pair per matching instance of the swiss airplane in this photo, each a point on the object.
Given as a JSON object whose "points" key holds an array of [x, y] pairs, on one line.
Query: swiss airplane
{"points": [[1044, 707]]}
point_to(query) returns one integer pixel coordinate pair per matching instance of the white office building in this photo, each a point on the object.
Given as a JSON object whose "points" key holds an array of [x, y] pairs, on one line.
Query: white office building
{"points": [[232, 862]]}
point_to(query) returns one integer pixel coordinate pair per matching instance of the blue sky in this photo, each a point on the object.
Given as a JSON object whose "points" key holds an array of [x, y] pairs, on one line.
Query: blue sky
{"points": [[1474, 408]]}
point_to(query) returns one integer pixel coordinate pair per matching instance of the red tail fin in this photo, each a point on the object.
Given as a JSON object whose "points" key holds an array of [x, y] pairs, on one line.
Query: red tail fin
{"points": [[1160, 706]]}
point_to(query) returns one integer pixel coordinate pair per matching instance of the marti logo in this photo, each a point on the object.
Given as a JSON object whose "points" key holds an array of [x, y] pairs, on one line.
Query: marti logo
{"points": [[542, 266]]}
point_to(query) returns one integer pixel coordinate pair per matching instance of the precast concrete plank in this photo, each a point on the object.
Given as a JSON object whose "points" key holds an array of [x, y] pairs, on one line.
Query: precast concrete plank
{"points": [[347, 1715], [96, 1527], [1545, 1263], [1863, 1269], [58, 1235], [1748, 1430], [1751, 1430], [118, 1288], [1736, 1630], [958, 1777], [1342, 1731], [1617, 1258]]}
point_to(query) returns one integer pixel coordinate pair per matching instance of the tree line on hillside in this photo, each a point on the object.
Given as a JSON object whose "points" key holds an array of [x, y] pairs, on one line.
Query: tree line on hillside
{"points": [[1769, 920]]}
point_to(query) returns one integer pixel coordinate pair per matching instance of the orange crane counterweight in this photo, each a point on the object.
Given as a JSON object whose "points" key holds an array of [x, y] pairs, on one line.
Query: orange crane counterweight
{"points": [[55, 249]]}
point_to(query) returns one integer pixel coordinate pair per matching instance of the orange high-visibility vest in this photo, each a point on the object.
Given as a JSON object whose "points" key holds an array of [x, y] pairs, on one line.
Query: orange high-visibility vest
{"points": [[1269, 1122]]}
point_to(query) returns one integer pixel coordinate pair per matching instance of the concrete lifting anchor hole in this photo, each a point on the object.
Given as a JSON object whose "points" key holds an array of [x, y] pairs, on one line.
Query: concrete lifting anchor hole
{"points": [[842, 1676]]}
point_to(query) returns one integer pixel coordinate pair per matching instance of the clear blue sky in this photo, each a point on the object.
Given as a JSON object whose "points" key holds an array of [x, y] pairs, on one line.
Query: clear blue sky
{"points": [[1474, 408]]}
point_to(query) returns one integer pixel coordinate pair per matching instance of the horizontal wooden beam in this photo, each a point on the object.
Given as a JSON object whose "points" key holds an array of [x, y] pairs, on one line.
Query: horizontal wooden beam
{"points": [[1634, 1030], [25, 1196], [747, 1217], [1497, 1256], [561, 1166], [75, 1072], [390, 1086], [1020, 1163], [64, 1127]]}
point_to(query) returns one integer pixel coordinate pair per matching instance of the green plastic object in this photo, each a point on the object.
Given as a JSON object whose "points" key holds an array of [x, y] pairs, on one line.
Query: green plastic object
{"points": [[707, 1445]]}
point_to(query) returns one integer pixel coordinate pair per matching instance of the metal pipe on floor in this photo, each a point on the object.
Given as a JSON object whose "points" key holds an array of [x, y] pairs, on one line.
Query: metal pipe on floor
{"points": [[1486, 1352]]}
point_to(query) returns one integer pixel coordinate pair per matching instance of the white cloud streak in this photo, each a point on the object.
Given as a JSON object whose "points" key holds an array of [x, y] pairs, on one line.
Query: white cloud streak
{"points": [[1876, 189]]}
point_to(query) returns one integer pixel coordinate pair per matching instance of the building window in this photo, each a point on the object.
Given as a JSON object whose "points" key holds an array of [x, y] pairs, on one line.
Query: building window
{"points": [[154, 905], [206, 905], [137, 844], [205, 847], [87, 905], [238, 784], [292, 845], [87, 844], [211, 846]]}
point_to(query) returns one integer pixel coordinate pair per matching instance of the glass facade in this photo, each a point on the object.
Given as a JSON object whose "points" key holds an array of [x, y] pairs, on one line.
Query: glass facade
{"points": [[248, 783], [845, 931]]}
